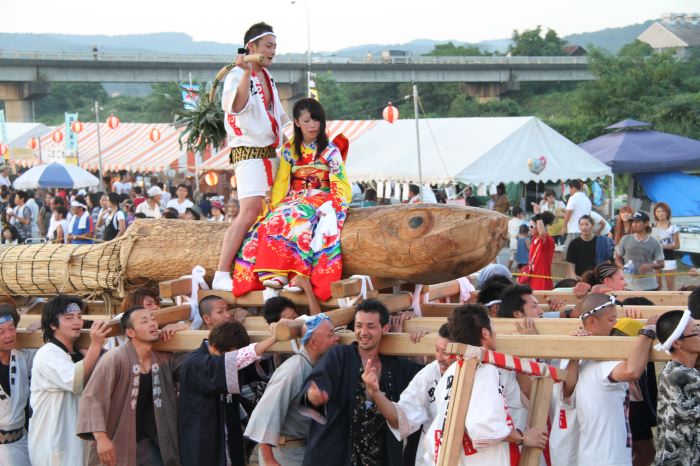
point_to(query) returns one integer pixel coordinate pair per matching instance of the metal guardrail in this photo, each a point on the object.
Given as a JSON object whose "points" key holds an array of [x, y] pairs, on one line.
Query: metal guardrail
{"points": [[328, 59]]}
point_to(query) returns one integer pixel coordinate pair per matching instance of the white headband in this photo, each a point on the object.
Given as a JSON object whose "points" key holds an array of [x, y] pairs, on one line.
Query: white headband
{"points": [[492, 303], [677, 333], [587, 314], [260, 36], [78, 204]]}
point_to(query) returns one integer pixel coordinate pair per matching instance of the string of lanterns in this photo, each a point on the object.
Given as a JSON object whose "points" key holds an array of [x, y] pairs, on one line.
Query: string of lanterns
{"points": [[390, 113]]}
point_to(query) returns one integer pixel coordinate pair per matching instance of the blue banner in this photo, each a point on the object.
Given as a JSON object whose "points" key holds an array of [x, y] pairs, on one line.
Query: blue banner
{"points": [[190, 95], [3, 128]]}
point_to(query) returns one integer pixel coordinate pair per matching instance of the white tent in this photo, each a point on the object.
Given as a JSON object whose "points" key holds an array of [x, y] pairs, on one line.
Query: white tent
{"points": [[469, 150]]}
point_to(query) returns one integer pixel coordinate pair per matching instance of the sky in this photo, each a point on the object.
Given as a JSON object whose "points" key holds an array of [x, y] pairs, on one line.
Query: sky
{"points": [[333, 24]]}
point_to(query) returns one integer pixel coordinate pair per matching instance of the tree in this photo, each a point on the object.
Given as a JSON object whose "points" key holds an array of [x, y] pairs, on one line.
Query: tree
{"points": [[531, 43], [451, 50]]}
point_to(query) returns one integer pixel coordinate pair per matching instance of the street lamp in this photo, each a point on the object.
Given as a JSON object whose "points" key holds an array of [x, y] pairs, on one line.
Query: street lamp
{"points": [[308, 46]]}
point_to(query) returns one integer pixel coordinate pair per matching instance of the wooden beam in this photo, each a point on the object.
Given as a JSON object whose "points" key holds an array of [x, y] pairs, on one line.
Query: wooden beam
{"points": [[177, 287], [532, 346], [540, 399], [343, 316], [503, 325], [349, 287], [450, 449], [659, 298], [445, 310]]}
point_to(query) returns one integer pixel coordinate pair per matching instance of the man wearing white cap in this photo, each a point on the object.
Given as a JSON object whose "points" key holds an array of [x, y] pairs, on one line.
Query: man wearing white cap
{"points": [[678, 432], [151, 207], [253, 119], [81, 228]]}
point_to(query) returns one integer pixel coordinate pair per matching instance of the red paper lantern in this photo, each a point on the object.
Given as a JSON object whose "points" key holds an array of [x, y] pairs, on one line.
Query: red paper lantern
{"points": [[211, 178], [33, 143], [390, 113], [4, 149], [112, 122], [57, 136], [154, 135], [77, 126]]}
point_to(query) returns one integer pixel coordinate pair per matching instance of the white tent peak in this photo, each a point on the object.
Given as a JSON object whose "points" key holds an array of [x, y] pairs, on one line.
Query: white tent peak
{"points": [[469, 150]]}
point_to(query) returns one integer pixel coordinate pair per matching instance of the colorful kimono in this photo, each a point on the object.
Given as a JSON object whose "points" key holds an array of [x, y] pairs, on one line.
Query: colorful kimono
{"points": [[280, 243]]}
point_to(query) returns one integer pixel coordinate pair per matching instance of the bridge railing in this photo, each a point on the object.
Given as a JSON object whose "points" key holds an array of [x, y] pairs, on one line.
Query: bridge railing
{"points": [[294, 59]]}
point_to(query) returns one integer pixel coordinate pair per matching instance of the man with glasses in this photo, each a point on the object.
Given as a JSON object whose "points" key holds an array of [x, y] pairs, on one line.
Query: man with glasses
{"points": [[600, 390], [678, 432]]}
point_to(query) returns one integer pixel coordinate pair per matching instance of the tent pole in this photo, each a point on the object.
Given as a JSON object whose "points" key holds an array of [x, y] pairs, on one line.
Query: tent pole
{"points": [[612, 195], [415, 111]]}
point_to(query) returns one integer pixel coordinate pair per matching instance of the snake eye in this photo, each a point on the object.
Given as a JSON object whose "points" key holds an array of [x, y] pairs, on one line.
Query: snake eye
{"points": [[415, 222]]}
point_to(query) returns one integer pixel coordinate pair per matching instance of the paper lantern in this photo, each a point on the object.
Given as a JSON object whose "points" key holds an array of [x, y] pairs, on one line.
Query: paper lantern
{"points": [[57, 136], [537, 165], [211, 178], [4, 150], [77, 126], [33, 143], [112, 122], [154, 135], [233, 182], [390, 113]]}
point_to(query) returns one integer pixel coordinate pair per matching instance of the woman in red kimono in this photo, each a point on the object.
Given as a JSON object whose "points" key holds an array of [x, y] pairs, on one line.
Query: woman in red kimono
{"points": [[300, 234], [541, 252]]}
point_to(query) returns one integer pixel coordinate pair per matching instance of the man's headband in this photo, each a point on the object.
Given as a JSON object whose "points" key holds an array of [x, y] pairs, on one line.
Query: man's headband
{"points": [[493, 303], [260, 36], [71, 308], [312, 324], [587, 314], [677, 333], [6, 318]]}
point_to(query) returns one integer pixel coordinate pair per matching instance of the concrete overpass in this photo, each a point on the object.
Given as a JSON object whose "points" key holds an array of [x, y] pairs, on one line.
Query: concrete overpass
{"points": [[22, 73]]}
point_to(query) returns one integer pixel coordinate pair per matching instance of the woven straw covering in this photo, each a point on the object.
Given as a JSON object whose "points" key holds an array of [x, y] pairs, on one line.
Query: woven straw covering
{"points": [[47, 269]]}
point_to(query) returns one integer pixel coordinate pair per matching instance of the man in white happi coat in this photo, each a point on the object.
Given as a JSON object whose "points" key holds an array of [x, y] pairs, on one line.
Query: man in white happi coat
{"points": [[489, 436], [15, 367], [59, 374], [416, 407], [277, 423], [253, 119]]}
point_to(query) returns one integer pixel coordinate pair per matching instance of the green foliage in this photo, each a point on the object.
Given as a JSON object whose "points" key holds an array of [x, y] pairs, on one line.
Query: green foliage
{"points": [[203, 125], [451, 50], [69, 97], [532, 43]]}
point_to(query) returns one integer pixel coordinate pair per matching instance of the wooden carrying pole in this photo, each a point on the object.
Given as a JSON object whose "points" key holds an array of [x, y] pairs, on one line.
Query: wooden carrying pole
{"points": [[460, 394], [343, 316], [540, 399]]}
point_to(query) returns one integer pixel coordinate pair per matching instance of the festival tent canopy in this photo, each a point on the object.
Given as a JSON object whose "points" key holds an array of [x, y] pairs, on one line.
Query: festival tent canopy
{"points": [[351, 129], [127, 147], [469, 150], [637, 149]]}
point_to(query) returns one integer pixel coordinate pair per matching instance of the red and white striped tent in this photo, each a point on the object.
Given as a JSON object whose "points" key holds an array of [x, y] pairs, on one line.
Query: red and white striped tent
{"points": [[352, 129], [127, 147]]}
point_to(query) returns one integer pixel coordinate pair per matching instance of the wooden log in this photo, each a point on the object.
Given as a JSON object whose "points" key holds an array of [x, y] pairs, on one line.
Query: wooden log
{"points": [[350, 287], [540, 399], [445, 310], [399, 344], [502, 325], [450, 449], [420, 243], [343, 316], [659, 298], [441, 290]]}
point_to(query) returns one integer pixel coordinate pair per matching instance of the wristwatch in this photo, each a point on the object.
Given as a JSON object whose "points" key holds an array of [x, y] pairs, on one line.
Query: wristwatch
{"points": [[647, 332], [568, 311]]}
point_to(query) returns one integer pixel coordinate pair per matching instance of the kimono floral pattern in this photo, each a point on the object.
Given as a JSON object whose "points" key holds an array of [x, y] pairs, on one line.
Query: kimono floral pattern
{"points": [[280, 242]]}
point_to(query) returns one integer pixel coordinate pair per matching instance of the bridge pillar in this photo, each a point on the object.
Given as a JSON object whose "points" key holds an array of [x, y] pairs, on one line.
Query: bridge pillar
{"points": [[18, 97], [290, 93], [489, 91]]}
